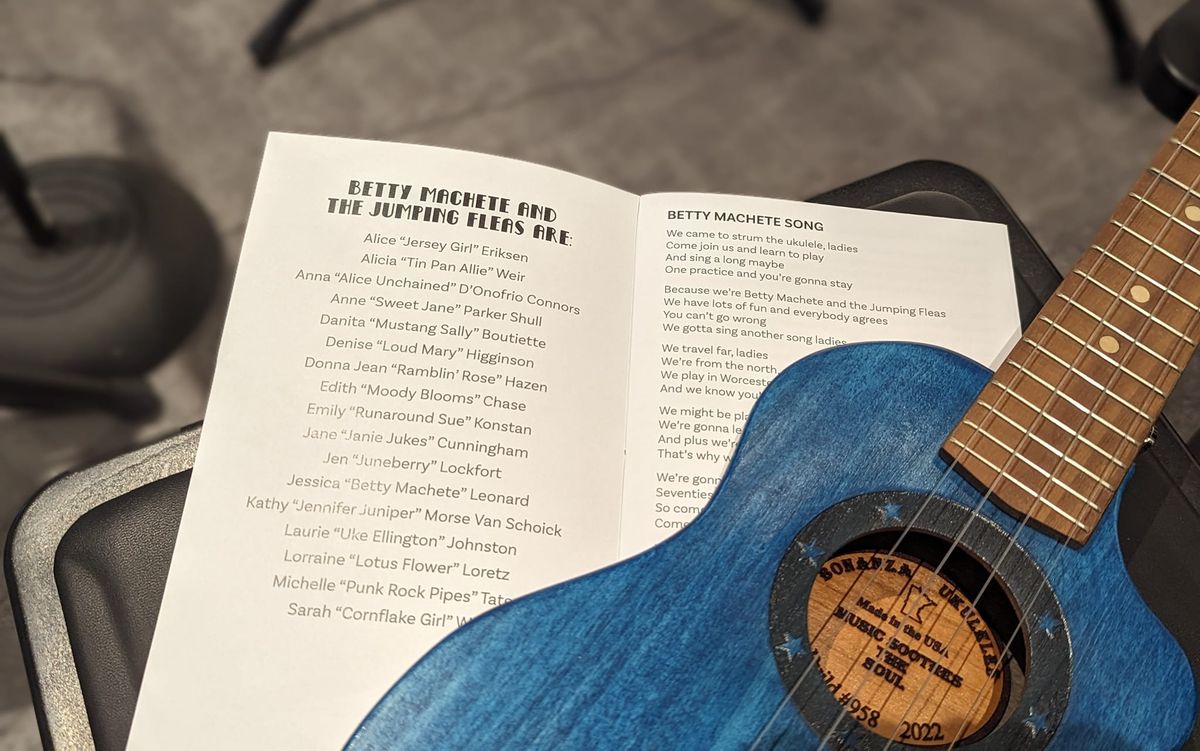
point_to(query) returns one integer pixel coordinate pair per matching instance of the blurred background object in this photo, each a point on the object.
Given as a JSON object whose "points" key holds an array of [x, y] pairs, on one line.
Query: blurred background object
{"points": [[1169, 67], [1120, 36], [107, 266], [737, 96], [265, 44]]}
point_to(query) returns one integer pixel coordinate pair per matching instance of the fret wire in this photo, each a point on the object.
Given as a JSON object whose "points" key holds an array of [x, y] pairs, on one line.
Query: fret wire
{"points": [[1030, 511], [1059, 423], [1189, 190], [1171, 179], [1162, 287], [1100, 353], [1074, 403], [1178, 334], [1182, 264], [1153, 245], [1166, 213], [1045, 444], [1022, 369], [1120, 331], [1035, 465], [1062, 513], [1157, 247], [1019, 484], [1184, 146], [1089, 379], [1086, 347], [1120, 367]]}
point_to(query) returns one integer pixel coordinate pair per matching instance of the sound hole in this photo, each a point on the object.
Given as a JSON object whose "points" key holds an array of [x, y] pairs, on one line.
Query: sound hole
{"points": [[900, 646]]}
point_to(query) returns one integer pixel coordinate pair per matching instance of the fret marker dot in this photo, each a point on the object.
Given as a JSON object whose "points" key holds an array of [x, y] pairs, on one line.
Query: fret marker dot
{"points": [[1109, 344], [1192, 213], [1139, 293]]}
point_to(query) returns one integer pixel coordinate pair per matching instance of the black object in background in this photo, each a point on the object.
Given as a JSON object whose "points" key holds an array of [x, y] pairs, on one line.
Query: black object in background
{"points": [[274, 40], [812, 10], [16, 189], [105, 266], [130, 398], [1169, 68], [265, 44], [1120, 37]]}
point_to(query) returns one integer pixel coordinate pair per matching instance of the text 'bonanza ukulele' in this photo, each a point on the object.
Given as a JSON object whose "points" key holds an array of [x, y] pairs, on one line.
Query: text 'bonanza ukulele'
{"points": [[877, 570]]}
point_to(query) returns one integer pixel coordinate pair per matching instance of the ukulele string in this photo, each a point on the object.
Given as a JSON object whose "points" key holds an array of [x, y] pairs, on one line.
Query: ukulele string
{"points": [[1179, 345], [993, 408], [1006, 648], [949, 471], [874, 574], [1058, 555], [1041, 413], [754, 744]]}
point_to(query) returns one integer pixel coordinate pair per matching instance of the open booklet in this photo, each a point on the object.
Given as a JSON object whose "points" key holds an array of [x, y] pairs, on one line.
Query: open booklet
{"points": [[448, 379]]}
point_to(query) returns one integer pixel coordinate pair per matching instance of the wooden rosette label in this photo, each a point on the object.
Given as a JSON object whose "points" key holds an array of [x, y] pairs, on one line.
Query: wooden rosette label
{"points": [[903, 650]]}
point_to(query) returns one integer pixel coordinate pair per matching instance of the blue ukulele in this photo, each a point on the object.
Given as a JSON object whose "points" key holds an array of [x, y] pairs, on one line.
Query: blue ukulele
{"points": [[906, 551]]}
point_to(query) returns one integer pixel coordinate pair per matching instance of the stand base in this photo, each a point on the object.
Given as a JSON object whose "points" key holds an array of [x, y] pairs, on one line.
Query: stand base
{"points": [[134, 268]]}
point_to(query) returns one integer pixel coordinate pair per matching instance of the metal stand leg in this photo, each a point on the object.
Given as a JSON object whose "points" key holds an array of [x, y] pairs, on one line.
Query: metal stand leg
{"points": [[265, 45], [15, 185], [812, 10], [1125, 47]]}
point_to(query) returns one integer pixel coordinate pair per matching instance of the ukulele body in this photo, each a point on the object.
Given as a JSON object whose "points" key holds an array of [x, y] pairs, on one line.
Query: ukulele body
{"points": [[695, 643]]}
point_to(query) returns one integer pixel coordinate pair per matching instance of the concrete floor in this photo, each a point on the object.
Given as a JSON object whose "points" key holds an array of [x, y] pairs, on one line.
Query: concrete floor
{"points": [[734, 96]]}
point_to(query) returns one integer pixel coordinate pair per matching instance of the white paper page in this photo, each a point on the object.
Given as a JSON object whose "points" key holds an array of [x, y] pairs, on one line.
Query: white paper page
{"points": [[730, 290], [314, 562]]}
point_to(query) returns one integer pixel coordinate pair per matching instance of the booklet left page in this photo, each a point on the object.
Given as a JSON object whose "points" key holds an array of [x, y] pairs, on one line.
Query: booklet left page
{"points": [[418, 413]]}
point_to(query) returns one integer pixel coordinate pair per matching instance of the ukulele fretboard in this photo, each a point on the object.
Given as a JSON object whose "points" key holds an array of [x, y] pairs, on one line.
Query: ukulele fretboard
{"points": [[1055, 430]]}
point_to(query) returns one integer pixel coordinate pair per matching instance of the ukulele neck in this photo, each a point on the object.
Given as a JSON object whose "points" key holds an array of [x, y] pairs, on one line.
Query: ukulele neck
{"points": [[1054, 432]]}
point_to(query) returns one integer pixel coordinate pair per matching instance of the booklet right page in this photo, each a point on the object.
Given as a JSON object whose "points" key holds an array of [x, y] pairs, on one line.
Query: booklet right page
{"points": [[731, 289]]}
